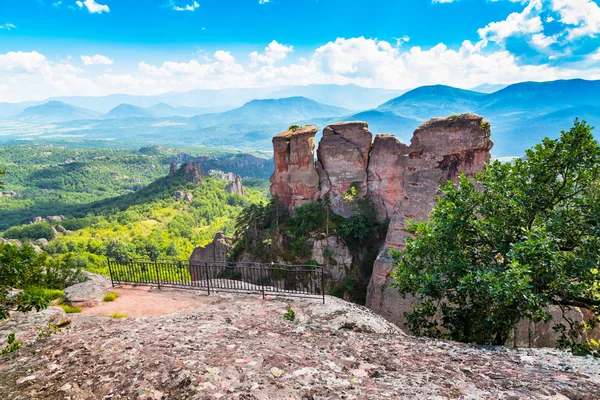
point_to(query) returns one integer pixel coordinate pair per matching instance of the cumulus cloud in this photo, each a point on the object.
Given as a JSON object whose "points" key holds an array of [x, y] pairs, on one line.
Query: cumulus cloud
{"points": [[582, 17], [96, 59], [93, 7], [224, 56], [273, 52], [188, 7]]}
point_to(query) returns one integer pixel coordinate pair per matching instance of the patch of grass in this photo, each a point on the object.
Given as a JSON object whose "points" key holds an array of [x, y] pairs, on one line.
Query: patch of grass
{"points": [[118, 315], [110, 296], [48, 294], [70, 309], [290, 314]]}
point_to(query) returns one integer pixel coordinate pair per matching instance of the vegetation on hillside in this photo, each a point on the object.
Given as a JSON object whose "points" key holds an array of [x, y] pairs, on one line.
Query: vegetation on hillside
{"points": [[519, 238], [267, 232]]}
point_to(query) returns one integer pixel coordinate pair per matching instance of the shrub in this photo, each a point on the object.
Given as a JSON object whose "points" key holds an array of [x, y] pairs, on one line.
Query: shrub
{"points": [[12, 344], [290, 314], [117, 315], [110, 296], [48, 294], [70, 309]]}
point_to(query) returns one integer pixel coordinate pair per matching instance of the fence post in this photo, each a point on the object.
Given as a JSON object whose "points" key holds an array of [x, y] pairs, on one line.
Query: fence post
{"points": [[322, 285], [111, 274], [157, 274], [262, 281], [207, 277]]}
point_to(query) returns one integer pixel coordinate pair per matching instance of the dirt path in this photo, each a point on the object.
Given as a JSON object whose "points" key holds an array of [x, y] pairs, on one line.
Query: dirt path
{"points": [[143, 302]]}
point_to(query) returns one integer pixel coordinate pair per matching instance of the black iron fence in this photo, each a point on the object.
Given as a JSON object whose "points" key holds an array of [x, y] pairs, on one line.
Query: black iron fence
{"points": [[215, 276]]}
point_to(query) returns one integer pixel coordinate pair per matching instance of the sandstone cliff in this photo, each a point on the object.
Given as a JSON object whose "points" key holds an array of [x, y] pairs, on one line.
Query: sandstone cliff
{"points": [[235, 186], [401, 180], [295, 179], [406, 181]]}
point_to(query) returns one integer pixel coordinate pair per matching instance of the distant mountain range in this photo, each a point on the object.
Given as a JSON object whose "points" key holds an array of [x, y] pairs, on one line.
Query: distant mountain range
{"points": [[520, 114]]}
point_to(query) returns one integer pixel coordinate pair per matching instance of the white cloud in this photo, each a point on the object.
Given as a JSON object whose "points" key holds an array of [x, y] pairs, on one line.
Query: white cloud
{"points": [[7, 26], [93, 7], [442, 1], [263, 1], [526, 22], [96, 59], [224, 56], [187, 7], [583, 17], [273, 52]]}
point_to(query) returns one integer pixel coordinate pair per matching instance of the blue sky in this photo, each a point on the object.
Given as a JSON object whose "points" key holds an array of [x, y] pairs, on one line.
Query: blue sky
{"points": [[97, 47]]}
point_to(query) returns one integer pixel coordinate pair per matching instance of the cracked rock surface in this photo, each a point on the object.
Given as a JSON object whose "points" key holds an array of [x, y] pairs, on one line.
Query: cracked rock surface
{"points": [[239, 347]]}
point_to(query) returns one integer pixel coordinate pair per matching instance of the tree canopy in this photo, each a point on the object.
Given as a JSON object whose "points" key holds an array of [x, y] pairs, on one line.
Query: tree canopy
{"points": [[519, 237]]}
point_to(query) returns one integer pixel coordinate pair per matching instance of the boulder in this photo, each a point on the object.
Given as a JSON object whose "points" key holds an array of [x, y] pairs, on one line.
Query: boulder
{"points": [[90, 292], [60, 228], [41, 242], [295, 179], [193, 172], [55, 218], [36, 220]]}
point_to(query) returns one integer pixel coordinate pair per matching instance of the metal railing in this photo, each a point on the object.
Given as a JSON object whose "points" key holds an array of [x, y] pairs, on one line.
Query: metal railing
{"points": [[221, 276]]}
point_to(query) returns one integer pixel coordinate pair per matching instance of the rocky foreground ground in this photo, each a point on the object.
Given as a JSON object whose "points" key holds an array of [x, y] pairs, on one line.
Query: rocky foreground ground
{"points": [[240, 347]]}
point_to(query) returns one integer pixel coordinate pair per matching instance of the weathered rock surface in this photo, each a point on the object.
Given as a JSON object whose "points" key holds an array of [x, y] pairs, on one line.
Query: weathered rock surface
{"points": [[239, 347], [193, 171], [295, 180], [343, 157], [26, 326], [441, 149], [181, 195], [88, 293], [235, 186], [214, 252], [333, 254]]}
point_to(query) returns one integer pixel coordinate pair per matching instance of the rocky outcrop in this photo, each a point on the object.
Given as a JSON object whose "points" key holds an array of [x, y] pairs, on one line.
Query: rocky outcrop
{"points": [[213, 253], [333, 254], [192, 171], [295, 180], [401, 180], [172, 169], [27, 325], [441, 149], [235, 186], [343, 157], [181, 195], [234, 346]]}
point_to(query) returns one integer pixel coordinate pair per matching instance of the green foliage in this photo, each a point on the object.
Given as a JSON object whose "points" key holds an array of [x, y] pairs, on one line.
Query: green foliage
{"points": [[70, 309], [12, 344], [293, 128], [118, 315], [42, 230], [307, 218], [48, 331], [48, 294], [524, 236], [290, 314], [110, 296]]}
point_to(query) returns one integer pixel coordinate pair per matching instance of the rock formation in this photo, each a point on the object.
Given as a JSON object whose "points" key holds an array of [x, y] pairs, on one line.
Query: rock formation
{"points": [[181, 195], [295, 180], [440, 150], [343, 158], [401, 180], [193, 172], [213, 253], [172, 169], [235, 186]]}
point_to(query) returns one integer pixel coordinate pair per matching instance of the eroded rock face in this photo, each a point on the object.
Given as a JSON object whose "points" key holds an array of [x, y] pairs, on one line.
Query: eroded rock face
{"points": [[441, 149], [235, 186], [343, 157], [214, 252], [401, 180], [192, 172], [332, 253], [88, 293], [295, 180]]}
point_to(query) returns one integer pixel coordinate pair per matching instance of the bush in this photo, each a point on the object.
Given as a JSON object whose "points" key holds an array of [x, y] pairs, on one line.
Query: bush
{"points": [[110, 296], [525, 235], [117, 315], [48, 294], [70, 309]]}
